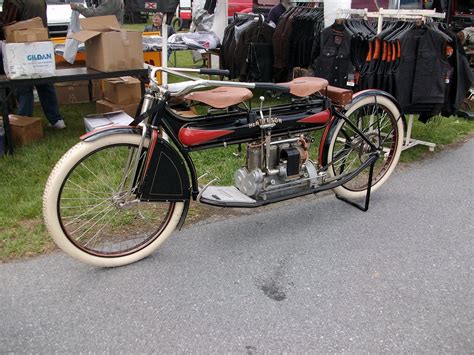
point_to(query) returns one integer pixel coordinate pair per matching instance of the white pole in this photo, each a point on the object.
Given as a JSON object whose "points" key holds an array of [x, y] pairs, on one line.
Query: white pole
{"points": [[219, 24], [164, 59], [380, 23], [164, 49]]}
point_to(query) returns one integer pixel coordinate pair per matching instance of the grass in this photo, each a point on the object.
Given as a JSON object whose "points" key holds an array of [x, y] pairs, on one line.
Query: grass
{"points": [[439, 130], [25, 173]]}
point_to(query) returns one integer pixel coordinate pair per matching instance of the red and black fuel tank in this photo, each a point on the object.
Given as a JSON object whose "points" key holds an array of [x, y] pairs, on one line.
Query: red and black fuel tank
{"points": [[238, 128]]}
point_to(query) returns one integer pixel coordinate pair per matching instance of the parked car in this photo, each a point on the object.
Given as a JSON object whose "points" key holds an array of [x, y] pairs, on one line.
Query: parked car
{"points": [[239, 6], [59, 16], [184, 12]]}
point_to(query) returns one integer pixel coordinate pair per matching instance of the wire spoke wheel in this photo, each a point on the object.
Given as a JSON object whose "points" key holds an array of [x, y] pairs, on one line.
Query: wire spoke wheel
{"points": [[380, 122], [97, 208]]}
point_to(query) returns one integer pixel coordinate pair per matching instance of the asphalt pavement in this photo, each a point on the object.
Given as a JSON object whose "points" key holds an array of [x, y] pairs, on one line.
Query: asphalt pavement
{"points": [[312, 275]]}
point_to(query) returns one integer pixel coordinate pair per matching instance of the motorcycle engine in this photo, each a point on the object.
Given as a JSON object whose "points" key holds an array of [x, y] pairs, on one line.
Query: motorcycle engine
{"points": [[289, 168]]}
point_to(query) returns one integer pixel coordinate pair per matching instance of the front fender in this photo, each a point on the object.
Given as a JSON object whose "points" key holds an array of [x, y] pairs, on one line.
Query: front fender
{"points": [[108, 131], [165, 177]]}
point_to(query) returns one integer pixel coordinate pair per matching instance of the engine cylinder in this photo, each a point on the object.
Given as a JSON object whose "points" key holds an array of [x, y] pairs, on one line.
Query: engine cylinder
{"points": [[254, 156]]}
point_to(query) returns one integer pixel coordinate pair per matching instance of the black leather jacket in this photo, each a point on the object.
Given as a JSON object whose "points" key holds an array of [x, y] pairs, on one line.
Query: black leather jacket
{"points": [[334, 63], [422, 71]]}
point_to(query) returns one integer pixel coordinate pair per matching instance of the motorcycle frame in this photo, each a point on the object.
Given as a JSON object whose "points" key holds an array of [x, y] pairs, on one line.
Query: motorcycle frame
{"points": [[168, 122], [163, 120]]}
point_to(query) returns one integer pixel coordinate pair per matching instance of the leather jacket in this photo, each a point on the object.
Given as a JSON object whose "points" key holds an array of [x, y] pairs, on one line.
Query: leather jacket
{"points": [[334, 63]]}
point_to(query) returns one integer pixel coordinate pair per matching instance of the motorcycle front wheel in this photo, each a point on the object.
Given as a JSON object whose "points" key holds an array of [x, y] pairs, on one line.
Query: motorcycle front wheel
{"points": [[380, 120], [90, 206]]}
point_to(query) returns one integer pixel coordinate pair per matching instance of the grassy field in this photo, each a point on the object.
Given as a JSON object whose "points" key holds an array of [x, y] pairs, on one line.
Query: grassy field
{"points": [[24, 174]]}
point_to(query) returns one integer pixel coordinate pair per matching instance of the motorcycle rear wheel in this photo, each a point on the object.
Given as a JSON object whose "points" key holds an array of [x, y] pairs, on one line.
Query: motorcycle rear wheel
{"points": [[87, 212], [379, 119]]}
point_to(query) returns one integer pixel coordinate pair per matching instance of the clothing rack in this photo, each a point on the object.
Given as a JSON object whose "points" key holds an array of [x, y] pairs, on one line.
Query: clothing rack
{"points": [[242, 15], [348, 13], [306, 1], [423, 15]]}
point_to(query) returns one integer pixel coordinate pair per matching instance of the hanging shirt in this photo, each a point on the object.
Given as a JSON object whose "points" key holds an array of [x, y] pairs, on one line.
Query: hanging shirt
{"points": [[422, 71]]}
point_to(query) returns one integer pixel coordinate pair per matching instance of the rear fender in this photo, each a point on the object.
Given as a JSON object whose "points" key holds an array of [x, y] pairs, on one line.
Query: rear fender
{"points": [[331, 127], [373, 92]]}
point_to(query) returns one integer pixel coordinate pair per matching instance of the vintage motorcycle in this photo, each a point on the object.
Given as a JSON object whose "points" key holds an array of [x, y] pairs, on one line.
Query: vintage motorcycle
{"points": [[114, 197]]}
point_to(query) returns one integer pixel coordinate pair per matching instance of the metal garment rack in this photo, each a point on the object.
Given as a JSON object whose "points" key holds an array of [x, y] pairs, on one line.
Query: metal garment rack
{"points": [[408, 141]]}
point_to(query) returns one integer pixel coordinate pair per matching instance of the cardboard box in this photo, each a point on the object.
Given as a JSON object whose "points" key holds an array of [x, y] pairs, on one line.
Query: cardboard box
{"points": [[108, 48], [73, 92], [104, 106], [120, 118], [123, 90], [31, 35], [28, 60], [25, 129], [31, 30], [97, 92]]}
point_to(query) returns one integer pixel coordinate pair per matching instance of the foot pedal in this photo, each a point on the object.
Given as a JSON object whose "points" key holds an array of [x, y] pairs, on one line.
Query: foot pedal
{"points": [[225, 195]]}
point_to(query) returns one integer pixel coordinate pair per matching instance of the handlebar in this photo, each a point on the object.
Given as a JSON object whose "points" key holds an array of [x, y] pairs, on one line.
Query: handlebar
{"points": [[196, 82], [220, 72]]}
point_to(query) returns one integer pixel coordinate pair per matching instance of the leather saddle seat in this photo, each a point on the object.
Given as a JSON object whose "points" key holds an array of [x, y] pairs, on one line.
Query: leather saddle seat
{"points": [[221, 97], [305, 85]]}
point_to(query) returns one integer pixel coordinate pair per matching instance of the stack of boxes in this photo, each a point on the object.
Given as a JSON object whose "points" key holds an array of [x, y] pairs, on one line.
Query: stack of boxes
{"points": [[122, 93], [73, 92], [27, 51]]}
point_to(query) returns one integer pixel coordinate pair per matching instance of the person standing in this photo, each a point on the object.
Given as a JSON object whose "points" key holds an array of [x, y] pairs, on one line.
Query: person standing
{"points": [[157, 25], [276, 12], [106, 7], [21, 10]]}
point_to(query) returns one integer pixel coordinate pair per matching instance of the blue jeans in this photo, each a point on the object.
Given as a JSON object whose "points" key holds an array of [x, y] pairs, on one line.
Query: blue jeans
{"points": [[47, 97]]}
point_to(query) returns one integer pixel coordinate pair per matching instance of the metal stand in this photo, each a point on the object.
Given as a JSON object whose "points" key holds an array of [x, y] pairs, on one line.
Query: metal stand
{"points": [[365, 207], [408, 142]]}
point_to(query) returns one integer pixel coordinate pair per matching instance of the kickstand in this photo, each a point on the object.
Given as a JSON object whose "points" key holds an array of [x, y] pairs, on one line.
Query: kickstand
{"points": [[365, 207]]}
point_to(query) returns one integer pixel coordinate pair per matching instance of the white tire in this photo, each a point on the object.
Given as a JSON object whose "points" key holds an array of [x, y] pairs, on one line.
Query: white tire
{"points": [[81, 197], [391, 124]]}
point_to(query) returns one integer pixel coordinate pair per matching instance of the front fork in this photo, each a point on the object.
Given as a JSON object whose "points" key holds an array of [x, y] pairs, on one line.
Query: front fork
{"points": [[126, 192]]}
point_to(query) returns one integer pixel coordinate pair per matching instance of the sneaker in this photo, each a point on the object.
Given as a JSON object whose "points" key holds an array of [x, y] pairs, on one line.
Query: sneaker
{"points": [[58, 125]]}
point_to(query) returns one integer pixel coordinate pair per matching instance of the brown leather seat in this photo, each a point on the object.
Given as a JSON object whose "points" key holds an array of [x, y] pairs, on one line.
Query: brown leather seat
{"points": [[305, 85], [221, 97]]}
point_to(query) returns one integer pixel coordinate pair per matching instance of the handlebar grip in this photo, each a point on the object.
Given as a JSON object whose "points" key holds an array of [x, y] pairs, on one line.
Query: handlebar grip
{"points": [[272, 87], [220, 72]]}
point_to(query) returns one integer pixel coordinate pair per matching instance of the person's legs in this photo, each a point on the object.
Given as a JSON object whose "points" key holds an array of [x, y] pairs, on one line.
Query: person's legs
{"points": [[49, 102], [24, 96]]}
